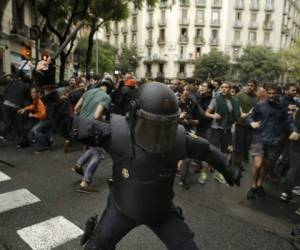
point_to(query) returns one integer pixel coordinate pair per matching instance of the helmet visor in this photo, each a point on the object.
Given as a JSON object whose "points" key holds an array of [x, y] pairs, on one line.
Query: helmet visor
{"points": [[155, 133]]}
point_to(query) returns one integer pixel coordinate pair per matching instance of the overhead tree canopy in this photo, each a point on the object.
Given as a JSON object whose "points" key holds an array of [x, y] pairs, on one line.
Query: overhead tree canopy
{"points": [[213, 65], [291, 58], [260, 63], [128, 60], [106, 56]]}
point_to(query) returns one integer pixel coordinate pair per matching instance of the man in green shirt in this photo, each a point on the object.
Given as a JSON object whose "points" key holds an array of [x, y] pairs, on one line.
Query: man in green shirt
{"points": [[247, 99]]}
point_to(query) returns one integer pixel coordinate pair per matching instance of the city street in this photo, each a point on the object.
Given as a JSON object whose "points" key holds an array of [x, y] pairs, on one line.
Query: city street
{"points": [[43, 210]]}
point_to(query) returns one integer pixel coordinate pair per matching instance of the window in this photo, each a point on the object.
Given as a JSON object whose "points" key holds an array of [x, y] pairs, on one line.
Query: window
{"points": [[199, 33], [184, 14], [238, 16], [150, 17], [116, 41], [150, 35], [163, 15], [254, 4], [198, 52], [267, 37], [134, 38], [183, 32], [200, 16], [235, 53], [125, 39], [214, 34], [237, 35], [149, 53], [182, 50], [216, 16], [253, 17], [239, 3], [162, 35], [268, 18], [269, 3], [252, 37], [149, 69], [181, 68], [216, 2], [161, 68]]}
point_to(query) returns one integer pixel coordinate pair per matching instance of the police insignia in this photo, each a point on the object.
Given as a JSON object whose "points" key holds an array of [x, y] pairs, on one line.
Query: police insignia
{"points": [[125, 173]]}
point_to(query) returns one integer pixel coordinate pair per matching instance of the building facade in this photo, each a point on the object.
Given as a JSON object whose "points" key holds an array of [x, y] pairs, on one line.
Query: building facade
{"points": [[172, 35]]}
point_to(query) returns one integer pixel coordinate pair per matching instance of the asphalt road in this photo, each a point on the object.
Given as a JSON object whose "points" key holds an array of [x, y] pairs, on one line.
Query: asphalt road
{"points": [[219, 215]]}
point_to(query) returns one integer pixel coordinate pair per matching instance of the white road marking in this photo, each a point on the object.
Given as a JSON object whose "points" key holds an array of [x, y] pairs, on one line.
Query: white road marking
{"points": [[4, 177], [15, 199], [50, 234]]}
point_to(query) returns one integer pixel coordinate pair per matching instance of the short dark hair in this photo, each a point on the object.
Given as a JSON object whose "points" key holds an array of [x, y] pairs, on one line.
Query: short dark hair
{"points": [[218, 81], [253, 81], [289, 85], [273, 87]]}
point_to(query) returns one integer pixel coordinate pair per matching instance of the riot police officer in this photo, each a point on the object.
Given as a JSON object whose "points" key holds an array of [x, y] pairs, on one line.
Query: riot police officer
{"points": [[145, 147]]}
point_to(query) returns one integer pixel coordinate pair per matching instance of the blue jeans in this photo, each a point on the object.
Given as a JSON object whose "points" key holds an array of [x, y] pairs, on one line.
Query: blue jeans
{"points": [[92, 157], [42, 133]]}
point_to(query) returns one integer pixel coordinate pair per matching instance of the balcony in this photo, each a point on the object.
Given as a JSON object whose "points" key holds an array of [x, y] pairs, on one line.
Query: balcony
{"points": [[239, 5], [183, 39], [214, 42], [269, 8], [184, 3], [134, 28], [216, 4], [124, 29], [238, 24], [124, 45], [254, 7], [149, 25], [215, 23], [236, 43], [252, 43], [253, 25], [199, 22], [199, 40], [184, 22], [268, 25], [149, 43], [20, 30], [181, 75], [163, 4], [162, 22], [200, 3], [161, 41]]}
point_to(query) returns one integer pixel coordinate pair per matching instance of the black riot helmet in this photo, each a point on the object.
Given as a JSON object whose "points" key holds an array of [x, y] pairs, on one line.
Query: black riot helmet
{"points": [[153, 116]]}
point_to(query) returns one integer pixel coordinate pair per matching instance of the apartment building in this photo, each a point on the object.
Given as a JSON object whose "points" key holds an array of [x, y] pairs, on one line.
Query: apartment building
{"points": [[172, 35]]}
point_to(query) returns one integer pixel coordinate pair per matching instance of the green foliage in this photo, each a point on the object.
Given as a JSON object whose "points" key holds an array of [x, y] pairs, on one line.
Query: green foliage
{"points": [[128, 60], [260, 63], [106, 56], [291, 58], [212, 65]]}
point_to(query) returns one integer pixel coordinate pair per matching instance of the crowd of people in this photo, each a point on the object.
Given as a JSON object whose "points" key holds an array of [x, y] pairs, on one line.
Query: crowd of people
{"points": [[255, 126]]}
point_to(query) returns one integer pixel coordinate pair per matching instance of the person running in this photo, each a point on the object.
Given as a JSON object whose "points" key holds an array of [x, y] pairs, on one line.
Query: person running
{"points": [[93, 104], [224, 110], [247, 99], [268, 120]]}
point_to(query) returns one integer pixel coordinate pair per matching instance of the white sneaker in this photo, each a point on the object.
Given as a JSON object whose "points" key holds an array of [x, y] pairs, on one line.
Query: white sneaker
{"points": [[202, 178], [219, 177], [296, 192]]}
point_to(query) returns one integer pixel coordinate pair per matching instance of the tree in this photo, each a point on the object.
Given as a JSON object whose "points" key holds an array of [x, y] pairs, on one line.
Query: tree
{"points": [[260, 63], [101, 12], [106, 53], [61, 16], [128, 60], [213, 65], [291, 57]]}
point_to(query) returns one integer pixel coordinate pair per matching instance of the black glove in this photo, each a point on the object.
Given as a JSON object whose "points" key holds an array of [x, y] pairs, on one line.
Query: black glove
{"points": [[233, 176]]}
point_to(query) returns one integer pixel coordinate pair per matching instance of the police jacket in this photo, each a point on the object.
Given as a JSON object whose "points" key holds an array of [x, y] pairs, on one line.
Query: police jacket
{"points": [[143, 182]]}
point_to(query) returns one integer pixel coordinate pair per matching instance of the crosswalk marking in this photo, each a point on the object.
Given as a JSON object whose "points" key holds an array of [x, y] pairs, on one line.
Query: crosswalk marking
{"points": [[16, 199], [4, 177], [50, 234]]}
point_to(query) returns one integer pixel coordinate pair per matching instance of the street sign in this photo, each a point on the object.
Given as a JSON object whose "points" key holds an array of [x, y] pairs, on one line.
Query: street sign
{"points": [[35, 32]]}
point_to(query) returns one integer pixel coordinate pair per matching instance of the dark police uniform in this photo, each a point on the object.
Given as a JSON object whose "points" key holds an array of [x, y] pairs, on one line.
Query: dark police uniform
{"points": [[145, 148]]}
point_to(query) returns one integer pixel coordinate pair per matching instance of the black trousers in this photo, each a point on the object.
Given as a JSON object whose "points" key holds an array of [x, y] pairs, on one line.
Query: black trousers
{"points": [[113, 226]]}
